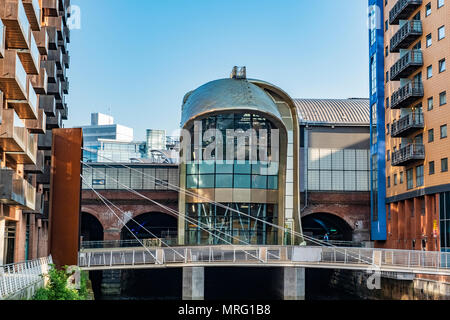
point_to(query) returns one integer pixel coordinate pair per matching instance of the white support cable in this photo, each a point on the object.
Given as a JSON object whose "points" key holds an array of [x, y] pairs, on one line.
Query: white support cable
{"points": [[184, 217], [142, 244], [179, 189]]}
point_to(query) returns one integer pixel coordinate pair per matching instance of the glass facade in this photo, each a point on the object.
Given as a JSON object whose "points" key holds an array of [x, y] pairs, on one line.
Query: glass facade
{"points": [[250, 167], [444, 204], [227, 226]]}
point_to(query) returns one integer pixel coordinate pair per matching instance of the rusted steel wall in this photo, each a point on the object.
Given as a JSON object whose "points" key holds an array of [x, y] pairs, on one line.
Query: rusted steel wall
{"points": [[65, 199]]}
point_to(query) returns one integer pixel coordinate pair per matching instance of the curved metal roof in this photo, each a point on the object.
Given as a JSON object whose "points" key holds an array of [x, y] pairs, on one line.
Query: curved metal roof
{"points": [[226, 95], [353, 111]]}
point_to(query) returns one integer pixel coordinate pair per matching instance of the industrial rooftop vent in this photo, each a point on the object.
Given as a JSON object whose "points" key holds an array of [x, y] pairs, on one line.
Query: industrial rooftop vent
{"points": [[239, 73]]}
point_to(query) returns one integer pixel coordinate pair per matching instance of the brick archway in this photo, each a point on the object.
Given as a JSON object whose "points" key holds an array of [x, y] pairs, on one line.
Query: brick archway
{"points": [[339, 211]]}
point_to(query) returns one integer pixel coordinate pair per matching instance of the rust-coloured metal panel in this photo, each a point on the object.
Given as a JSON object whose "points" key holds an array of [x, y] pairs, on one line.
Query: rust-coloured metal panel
{"points": [[65, 196]]}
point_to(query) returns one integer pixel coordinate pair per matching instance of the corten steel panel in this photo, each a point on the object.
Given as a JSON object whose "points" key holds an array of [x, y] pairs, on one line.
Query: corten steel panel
{"points": [[65, 196]]}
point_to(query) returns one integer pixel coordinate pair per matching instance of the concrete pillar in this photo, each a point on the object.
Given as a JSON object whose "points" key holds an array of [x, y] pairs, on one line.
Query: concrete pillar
{"points": [[293, 283], [193, 283]]}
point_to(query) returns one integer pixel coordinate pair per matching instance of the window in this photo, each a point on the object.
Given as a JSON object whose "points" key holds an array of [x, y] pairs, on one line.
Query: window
{"points": [[419, 176], [430, 135], [441, 33], [431, 167], [430, 104], [444, 131], [386, 26], [444, 165], [373, 64], [441, 65], [409, 179], [388, 182], [388, 155], [429, 72], [401, 177], [387, 128], [427, 10], [395, 179], [387, 102], [418, 45], [386, 51], [440, 3], [429, 40], [442, 98], [387, 76]]}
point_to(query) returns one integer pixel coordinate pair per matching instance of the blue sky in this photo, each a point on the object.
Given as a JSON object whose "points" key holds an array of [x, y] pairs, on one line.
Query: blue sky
{"points": [[136, 59]]}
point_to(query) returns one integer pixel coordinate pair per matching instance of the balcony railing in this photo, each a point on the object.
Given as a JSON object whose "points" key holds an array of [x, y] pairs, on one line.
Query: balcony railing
{"points": [[16, 191], [55, 89], [39, 166], [407, 94], [37, 126], [28, 156], [42, 41], [30, 58], [50, 7], [56, 56], [18, 27], [50, 68], [13, 137], [407, 64], [407, 124], [54, 122], [48, 103], [40, 82], [64, 112], [406, 155], [33, 11], [406, 35], [402, 10]]}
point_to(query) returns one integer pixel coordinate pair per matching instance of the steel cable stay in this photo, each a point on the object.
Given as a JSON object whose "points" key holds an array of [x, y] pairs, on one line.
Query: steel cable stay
{"points": [[321, 243], [179, 189], [179, 215], [99, 196]]}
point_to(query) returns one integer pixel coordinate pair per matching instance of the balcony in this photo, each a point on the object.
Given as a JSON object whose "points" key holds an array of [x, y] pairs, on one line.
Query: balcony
{"points": [[16, 191], [55, 89], [406, 95], [14, 17], [29, 155], [65, 86], [66, 60], [50, 7], [54, 122], [409, 154], [37, 126], [56, 56], [13, 136], [402, 10], [45, 141], [30, 57], [407, 125], [64, 112], [2, 39], [48, 103], [60, 103], [39, 167], [26, 108], [40, 82], [42, 41], [406, 65], [39, 206], [63, 45], [52, 38], [61, 73], [44, 178], [13, 78], [56, 22], [33, 11], [406, 35], [50, 68]]}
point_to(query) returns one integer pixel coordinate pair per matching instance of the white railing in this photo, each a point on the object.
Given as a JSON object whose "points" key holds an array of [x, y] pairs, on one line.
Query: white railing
{"points": [[357, 258], [18, 276]]}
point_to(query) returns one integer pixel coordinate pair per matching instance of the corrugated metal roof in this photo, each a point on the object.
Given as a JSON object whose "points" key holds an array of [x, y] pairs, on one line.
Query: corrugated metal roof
{"points": [[352, 111]]}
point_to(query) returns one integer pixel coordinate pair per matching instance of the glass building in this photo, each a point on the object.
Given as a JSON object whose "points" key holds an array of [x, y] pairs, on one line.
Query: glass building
{"points": [[243, 178]]}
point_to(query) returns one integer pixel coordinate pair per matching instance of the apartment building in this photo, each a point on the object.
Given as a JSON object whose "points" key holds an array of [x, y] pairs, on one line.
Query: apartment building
{"points": [[34, 58], [411, 117]]}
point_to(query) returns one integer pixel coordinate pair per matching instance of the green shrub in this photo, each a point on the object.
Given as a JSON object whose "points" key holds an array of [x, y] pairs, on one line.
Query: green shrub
{"points": [[56, 288]]}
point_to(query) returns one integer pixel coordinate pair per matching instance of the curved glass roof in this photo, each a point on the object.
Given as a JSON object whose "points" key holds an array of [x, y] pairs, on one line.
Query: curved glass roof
{"points": [[227, 95]]}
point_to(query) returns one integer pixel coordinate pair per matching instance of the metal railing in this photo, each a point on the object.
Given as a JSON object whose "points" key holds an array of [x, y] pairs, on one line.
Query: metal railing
{"points": [[406, 94], [341, 257], [398, 10], [413, 58], [16, 277], [412, 120], [413, 151], [412, 28]]}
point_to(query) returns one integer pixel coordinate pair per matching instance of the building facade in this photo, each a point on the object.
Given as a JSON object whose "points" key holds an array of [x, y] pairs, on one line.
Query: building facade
{"points": [[34, 58], [415, 118], [334, 159], [224, 191]]}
